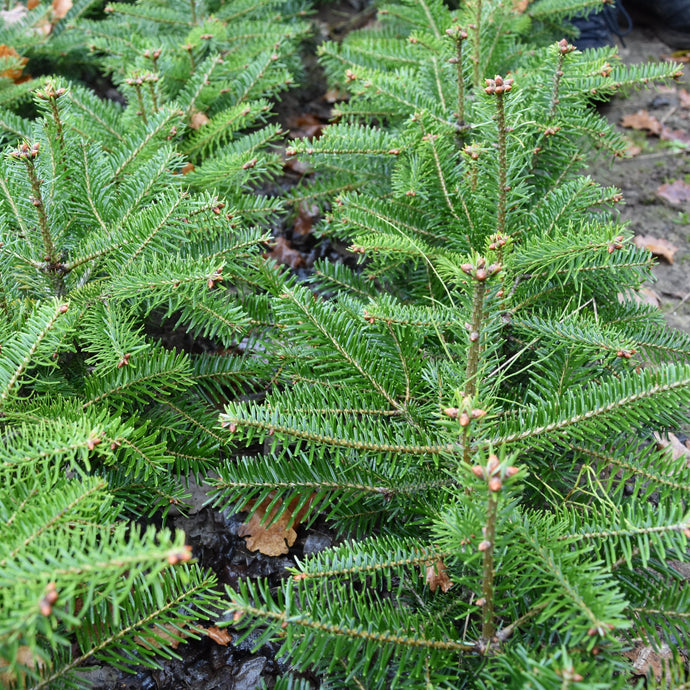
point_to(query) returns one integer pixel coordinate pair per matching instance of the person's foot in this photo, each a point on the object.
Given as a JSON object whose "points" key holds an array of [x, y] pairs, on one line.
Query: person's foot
{"points": [[670, 20], [597, 29]]}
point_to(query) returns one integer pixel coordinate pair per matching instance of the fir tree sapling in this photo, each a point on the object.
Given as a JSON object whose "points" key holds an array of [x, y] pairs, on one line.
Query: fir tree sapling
{"points": [[479, 397]]}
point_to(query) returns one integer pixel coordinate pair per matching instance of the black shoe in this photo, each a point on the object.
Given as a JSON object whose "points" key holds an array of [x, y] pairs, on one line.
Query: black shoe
{"points": [[597, 29], [670, 20]]}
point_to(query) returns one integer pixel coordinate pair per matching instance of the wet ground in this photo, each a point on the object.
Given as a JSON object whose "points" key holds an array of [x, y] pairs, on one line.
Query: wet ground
{"points": [[656, 160]]}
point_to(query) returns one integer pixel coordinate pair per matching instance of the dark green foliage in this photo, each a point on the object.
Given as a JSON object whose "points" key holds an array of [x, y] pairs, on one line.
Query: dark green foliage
{"points": [[102, 243], [476, 404], [480, 393]]}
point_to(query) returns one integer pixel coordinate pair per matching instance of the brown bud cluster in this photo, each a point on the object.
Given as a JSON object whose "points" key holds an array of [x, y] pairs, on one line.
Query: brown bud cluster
{"points": [[25, 151], [45, 606], [498, 241], [50, 92], [152, 54], [493, 473], [140, 79], [456, 33], [498, 85], [480, 271], [175, 557], [564, 47], [472, 151]]}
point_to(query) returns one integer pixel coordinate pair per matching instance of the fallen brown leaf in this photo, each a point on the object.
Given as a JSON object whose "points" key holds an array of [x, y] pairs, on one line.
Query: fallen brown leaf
{"points": [[642, 120], [335, 95], [61, 8], [276, 538], [13, 73], [644, 295], [187, 168], [684, 98], [676, 192], [306, 215], [32, 4], [24, 657], [298, 166], [305, 126], [166, 635], [284, 253], [658, 246], [219, 635], [645, 658], [678, 448], [632, 150], [679, 135], [198, 120], [520, 5], [16, 14], [437, 576]]}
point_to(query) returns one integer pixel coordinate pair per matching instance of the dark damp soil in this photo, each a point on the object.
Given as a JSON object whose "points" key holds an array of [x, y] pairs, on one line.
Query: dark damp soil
{"points": [[206, 665], [660, 161]]}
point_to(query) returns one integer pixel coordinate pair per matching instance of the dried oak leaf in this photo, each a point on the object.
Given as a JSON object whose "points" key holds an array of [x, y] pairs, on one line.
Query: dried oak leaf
{"points": [[273, 539], [677, 192], [646, 659], [437, 576], [187, 168], [219, 635], [198, 120], [658, 246], [61, 8], [642, 120], [284, 253]]}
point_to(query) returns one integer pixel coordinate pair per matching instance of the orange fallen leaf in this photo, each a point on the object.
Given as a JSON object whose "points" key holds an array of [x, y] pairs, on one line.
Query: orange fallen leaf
{"points": [[187, 168], [32, 4], [632, 150], [276, 538], [676, 192], [284, 253], [198, 120], [658, 246], [219, 635], [61, 8], [13, 72], [437, 576], [642, 120], [520, 5]]}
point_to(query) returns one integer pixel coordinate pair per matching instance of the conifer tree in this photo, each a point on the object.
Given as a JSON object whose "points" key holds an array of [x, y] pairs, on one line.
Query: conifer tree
{"points": [[473, 408]]}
